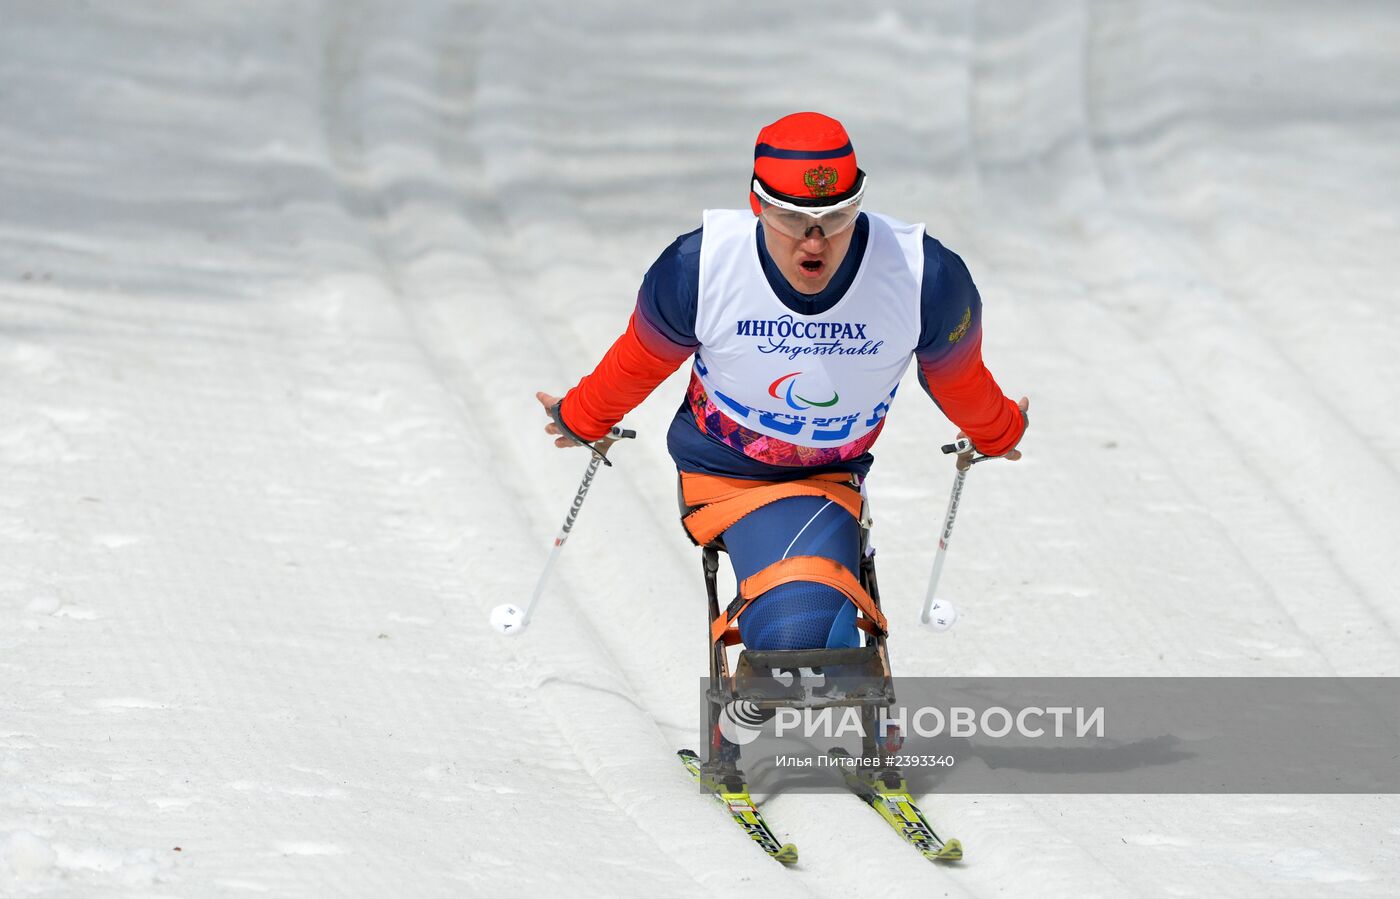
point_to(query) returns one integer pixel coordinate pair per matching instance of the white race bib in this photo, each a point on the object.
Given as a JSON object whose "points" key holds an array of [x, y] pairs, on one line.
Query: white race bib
{"points": [[821, 380]]}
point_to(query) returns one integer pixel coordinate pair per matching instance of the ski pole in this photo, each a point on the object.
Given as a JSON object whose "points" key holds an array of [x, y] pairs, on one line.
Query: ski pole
{"points": [[946, 614], [508, 618]]}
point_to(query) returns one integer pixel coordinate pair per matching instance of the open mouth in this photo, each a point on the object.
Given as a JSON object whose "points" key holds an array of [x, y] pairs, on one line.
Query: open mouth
{"points": [[812, 266]]}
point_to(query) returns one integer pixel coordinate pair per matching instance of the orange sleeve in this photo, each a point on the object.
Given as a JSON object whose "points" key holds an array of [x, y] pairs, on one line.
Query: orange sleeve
{"points": [[968, 394], [631, 369]]}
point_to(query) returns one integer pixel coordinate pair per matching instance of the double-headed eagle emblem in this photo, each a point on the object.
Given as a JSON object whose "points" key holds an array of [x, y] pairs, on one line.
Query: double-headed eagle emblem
{"points": [[821, 181]]}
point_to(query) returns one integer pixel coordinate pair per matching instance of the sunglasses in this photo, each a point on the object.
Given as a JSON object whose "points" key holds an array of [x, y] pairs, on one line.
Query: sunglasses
{"points": [[797, 216]]}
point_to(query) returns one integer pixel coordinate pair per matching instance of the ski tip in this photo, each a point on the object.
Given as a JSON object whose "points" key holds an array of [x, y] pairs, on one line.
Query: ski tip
{"points": [[787, 854], [691, 762], [951, 851]]}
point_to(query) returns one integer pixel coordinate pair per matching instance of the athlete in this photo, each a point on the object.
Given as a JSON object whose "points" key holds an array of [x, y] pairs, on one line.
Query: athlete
{"points": [[800, 325]]}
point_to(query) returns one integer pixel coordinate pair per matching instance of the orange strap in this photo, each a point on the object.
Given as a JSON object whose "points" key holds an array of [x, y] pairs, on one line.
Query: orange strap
{"points": [[815, 569], [723, 501]]}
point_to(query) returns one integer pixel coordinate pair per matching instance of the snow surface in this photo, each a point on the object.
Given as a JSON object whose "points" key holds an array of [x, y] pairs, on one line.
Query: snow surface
{"points": [[278, 281]]}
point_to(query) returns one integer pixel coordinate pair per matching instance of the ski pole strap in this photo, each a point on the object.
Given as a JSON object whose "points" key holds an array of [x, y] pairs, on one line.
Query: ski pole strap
{"points": [[716, 503], [809, 569], [599, 447]]}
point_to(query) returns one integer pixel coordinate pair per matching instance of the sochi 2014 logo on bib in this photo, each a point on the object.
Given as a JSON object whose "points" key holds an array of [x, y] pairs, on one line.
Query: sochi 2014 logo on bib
{"points": [[810, 416]]}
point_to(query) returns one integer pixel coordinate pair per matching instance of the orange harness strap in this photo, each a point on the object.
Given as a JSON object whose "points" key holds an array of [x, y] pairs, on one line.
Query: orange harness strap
{"points": [[723, 501], [800, 568]]}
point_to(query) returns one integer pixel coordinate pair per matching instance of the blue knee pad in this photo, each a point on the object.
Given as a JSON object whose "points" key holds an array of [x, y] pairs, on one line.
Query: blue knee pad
{"points": [[800, 615]]}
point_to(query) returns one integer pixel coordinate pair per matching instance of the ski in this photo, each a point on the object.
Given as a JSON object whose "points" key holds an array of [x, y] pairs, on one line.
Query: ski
{"points": [[897, 807], [744, 811]]}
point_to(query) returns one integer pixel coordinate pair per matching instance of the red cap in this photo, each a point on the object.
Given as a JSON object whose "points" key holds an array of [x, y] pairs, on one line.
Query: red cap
{"points": [[806, 155]]}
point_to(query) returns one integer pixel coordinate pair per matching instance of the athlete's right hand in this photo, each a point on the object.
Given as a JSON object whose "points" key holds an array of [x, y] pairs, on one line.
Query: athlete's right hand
{"points": [[549, 402]]}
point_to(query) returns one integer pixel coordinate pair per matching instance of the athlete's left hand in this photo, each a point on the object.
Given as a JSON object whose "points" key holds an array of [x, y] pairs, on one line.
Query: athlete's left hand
{"points": [[1024, 405], [1013, 454]]}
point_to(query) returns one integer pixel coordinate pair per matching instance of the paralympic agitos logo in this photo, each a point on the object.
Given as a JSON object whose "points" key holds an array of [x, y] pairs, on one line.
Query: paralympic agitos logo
{"points": [[793, 399]]}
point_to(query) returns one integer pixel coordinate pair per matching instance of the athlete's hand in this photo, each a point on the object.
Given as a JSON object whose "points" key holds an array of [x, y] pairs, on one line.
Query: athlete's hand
{"points": [[1024, 405], [548, 402], [1013, 454]]}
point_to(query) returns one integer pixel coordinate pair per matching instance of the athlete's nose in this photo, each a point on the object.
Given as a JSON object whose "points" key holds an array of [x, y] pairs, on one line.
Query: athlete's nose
{"points": [[815, 237]]}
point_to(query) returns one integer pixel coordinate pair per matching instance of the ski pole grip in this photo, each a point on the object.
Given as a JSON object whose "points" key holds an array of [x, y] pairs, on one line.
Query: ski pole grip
{"points": [[600, 447], [961, 445]]}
